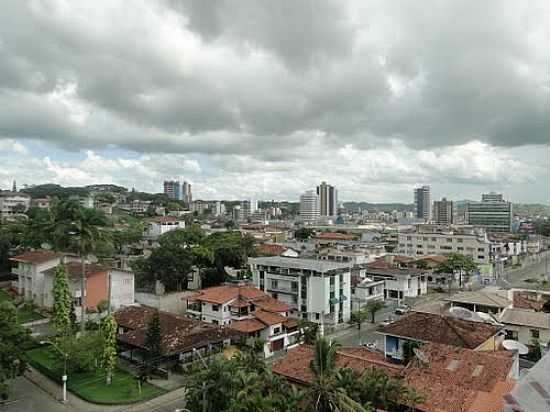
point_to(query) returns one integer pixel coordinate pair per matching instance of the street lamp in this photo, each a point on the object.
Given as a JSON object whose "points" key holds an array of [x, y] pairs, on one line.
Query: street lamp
{"points": [[65, 357]]}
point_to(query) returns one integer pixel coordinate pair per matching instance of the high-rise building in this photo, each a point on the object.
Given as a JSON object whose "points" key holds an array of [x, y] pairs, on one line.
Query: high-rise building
{"points": [[186, 195], [172, 189], [423, 203], [443, 212], [493, 213], [328, 199], [309, 206]]}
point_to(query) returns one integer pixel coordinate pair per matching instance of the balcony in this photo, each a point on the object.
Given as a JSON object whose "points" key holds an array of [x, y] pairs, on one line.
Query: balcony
{"points": [[281, 289]]}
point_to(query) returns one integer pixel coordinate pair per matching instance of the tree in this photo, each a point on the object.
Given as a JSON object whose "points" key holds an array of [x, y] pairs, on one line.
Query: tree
{"points": [[303, 234], [421, 264], [408, 350], [127, 236], [373, 307], [12, 339], [109, 356], [62, 302], [357, 318], [325, 395], [84, 351], [456, 263], [153, 340]]}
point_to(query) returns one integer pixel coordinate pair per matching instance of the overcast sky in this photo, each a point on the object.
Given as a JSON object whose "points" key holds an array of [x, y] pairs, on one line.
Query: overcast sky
{"points": [[266, 98]]}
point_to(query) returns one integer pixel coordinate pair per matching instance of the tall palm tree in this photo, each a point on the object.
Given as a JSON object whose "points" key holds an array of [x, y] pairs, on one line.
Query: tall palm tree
{"points": [[325, 394]]}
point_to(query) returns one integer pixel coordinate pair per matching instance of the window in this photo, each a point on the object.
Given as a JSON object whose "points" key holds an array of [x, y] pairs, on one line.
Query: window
{"points": [[215, 322], [480, 249], [215, 308], [481, 257], [409, 237], [262, 274], [449, 240], [274, 283], [331, 280], [434, 239], [276, 330], [535, 334], [316, 316], [460, 248], [226, 308], [460, 240]]}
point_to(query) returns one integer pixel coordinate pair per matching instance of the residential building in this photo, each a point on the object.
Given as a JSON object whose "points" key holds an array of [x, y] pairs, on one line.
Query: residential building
{"points": [[13, 202], [137, 207], [41, 203], [181, 337], [423, 203], [163, 224], [365, 290], [479, 301], [492, 213], [86, 202], [328, 199], [310, 207], [248, 310], [317, 290], [36, 270], [274, 249], [420, 327], [447, 378], [356, 254], [186, 194], [172, 189], [526, 326], [400, 283], [103, 284], [443, 212], [425, 241]]}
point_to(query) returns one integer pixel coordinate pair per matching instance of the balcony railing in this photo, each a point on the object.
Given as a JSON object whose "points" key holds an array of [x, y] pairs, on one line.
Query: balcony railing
{"points": [[282, 289]]}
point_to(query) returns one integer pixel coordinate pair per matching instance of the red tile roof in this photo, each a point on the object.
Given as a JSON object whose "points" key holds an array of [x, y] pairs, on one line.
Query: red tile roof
{"points": [[269, 318], [435, 258], [247, 325], [37, 256], [529, 300], [454, 379], [430, 327], [334, 236], [243, 293], [164, 219], [269, 249], [295, 365], [179, 334]]}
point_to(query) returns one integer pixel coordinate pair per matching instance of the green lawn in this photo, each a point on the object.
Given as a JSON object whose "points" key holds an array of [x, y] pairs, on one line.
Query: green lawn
{"points": [[91, 385], [24, 313]]}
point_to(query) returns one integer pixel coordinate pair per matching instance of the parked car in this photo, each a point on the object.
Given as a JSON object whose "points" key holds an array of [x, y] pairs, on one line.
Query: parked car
{"points": [[402, 309], [386, 322], [370, 345]]}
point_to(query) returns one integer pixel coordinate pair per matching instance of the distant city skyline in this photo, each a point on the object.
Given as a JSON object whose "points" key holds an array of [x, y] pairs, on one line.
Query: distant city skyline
{"points": [[254, 111]]}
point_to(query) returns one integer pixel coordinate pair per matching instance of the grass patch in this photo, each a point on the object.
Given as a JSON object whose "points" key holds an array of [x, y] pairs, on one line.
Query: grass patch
{"points": [[91, 386], [25, 313]]}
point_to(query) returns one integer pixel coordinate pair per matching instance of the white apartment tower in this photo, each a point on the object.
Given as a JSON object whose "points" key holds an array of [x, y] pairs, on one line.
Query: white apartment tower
{"points": [[309, 207], [328, 199], [423, 203]]}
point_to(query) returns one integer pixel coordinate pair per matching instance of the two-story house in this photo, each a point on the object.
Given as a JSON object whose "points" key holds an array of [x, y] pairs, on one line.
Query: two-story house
{"points": [[248, 310]]}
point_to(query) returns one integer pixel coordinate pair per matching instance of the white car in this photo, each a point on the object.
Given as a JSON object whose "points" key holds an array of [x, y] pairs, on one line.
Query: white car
{"points": [[402, 309]]}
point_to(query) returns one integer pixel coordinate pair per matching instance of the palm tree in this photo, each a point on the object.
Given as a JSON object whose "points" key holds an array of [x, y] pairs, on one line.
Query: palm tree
{"points": [[325, 394]]}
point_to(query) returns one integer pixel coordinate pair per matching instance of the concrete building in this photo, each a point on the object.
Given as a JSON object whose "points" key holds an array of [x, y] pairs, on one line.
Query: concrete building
{"points": [[172, 189], [526, 326], [443, 212], [317, 290], [492, 213], [248, 310], [12, 202], [36, 270], [365, 290], [400, 282], [309, 207], [328, 199], [423, 203], [163, 224], [186, 194], [430, 240]]}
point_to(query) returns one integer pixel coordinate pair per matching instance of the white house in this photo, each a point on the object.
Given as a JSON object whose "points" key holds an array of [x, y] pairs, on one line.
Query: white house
{"points": [[365, 290], [526, 326], [10, 201], [163, 224], [248, 310], [317, 290], [400, 282]]}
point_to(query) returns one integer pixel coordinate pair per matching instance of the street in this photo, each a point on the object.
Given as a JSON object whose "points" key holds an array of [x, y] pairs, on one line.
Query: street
{"points": [[531, 269]]}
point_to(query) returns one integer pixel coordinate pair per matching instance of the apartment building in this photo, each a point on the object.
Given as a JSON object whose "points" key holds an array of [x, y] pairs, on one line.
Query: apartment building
{"points": [[248, 310], [163, 224], [493, 213], [365, 290], [12, 202], [443, 241], [423, 203], [443, 212], [316, 290], [309, 207], [400, 283]]}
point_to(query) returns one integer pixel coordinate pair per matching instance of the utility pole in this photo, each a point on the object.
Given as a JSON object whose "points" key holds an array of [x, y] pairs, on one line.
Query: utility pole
{"points": [[109, 292]]}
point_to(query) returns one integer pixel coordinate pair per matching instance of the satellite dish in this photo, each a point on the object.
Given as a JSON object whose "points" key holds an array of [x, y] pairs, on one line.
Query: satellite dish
{"points": [[463, 313], [513, 345], [486, 318], [46, 246], [420, 355]]}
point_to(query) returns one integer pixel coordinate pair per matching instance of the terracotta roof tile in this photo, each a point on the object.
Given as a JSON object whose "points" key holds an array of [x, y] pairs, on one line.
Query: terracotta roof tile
{"points": [[430, 327], [247, 325], [74, 270], [269, 318], [179, 333], [37, 256], [268, 249], [295, 365], [529, 300]]}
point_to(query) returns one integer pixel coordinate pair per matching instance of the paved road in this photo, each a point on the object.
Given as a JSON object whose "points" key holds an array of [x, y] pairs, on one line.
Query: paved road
{"points": [[532, 268], [29, 398]]}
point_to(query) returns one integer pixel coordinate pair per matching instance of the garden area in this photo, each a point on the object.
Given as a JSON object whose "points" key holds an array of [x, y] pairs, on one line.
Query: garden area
{"points": [[90, 385], [25, 311]]}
